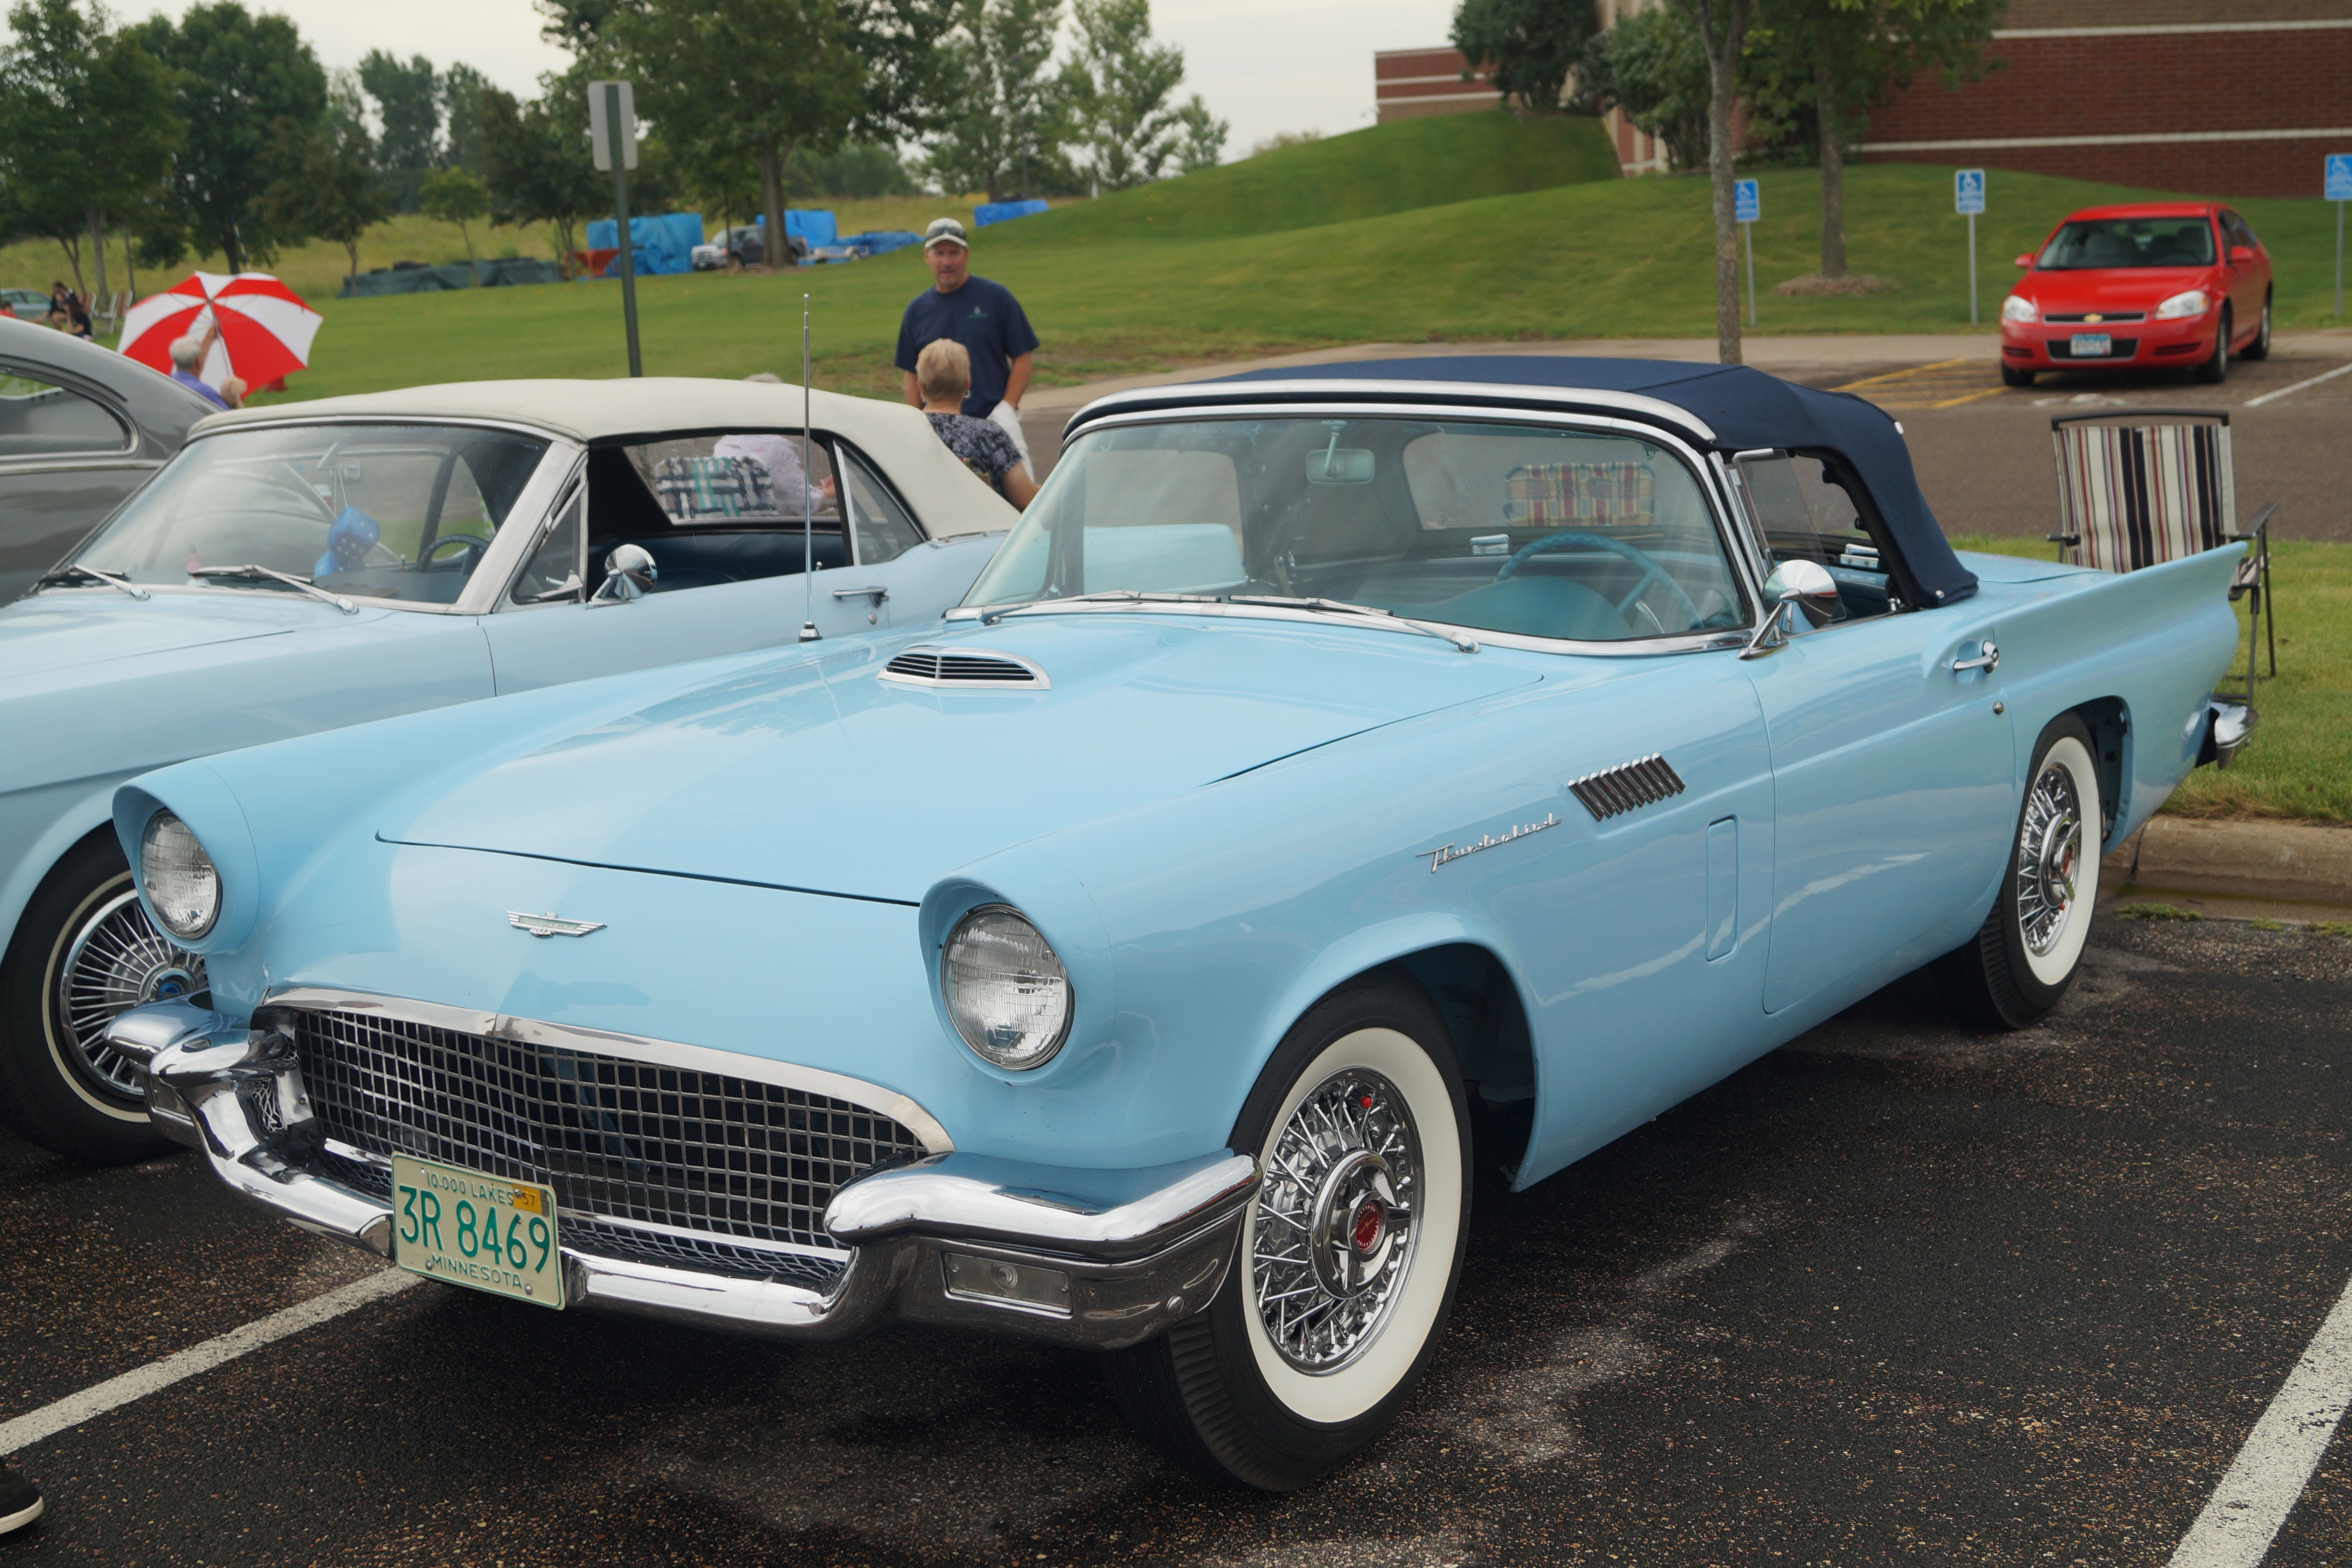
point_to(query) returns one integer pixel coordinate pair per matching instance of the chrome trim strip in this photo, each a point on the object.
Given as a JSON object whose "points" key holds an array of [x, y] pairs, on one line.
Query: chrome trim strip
{"points": [[1691, 643], [1088, 1213], [715, 1238], [604, 1042], [1212, 394]]}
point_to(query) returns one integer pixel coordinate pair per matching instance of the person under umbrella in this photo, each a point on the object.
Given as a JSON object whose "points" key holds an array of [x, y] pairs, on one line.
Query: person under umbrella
{"points": [[188, 357]]}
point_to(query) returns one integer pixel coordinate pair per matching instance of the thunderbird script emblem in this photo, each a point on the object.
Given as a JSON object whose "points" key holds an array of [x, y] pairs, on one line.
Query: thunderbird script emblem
{"points": [[552, 924]]}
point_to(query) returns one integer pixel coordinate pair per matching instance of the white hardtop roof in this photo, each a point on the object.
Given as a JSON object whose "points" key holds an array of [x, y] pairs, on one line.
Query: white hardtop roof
{"points": [[898, 438]]}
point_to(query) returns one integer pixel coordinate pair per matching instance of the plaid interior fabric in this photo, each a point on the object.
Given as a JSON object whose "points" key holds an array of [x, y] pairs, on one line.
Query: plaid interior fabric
{"points": [[2139, 495], [699, 489], [1605, 493]]}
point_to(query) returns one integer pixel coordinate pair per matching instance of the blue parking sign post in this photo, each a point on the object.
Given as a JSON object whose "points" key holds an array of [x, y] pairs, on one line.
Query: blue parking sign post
{"points": [[2339, 191], [1969, 199], [1747, 207]]}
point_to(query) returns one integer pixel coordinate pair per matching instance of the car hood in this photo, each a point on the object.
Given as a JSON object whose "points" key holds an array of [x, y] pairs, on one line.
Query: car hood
{"points": [[2123, 288], [83, 628], [814, 775]]}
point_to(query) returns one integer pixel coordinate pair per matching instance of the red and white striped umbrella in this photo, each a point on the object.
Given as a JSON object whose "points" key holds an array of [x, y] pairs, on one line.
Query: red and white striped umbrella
{"points": [[265, 327]]}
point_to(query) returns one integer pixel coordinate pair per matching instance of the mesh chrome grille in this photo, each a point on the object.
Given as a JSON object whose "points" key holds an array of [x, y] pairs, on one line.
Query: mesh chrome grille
{"points": [[1613, 791], [617, 1139], [962, 667]]}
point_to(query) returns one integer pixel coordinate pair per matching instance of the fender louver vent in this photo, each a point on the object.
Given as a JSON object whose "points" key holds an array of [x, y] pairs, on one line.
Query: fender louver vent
{"points": [[972, 667], [1613, 791]]}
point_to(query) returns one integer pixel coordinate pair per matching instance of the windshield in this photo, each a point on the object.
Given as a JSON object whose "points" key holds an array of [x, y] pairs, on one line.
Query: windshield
{"points": [[2128, 242], [383, 511], [1545, 532]]}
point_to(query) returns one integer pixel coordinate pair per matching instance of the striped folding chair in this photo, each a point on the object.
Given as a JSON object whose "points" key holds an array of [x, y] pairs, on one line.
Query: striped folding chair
{"points": [[713, 489], [1606, 495], [2131, 496]]}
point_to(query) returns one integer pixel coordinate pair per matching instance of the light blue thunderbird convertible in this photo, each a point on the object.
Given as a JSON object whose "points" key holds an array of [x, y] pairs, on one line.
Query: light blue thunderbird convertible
{"points": [[298, 569], [1322, 770]]}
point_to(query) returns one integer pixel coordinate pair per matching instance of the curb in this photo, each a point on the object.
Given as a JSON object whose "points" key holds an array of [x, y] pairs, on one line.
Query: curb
{"points": [[2289, 861]]}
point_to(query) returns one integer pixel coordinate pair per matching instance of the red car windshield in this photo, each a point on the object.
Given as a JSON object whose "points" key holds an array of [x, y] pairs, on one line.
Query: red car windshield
{"points": [[2128, 242]]}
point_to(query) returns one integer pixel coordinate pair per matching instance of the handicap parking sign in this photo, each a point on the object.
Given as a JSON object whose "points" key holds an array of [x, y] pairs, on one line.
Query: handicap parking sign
{"points": [[2339, 176], [1746, 204], [1968, 192]]}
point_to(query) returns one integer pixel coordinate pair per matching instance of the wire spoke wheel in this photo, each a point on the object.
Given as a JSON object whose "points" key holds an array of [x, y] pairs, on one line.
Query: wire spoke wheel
{"points": [[2049, 855], [116, 960], [1335, 1236]]}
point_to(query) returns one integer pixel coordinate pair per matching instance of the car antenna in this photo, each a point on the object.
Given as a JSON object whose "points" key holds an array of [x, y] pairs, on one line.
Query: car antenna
{"points": [[809, 634]]}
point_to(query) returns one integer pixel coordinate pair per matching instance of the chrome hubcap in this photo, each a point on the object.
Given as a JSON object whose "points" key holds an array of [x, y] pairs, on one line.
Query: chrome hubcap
{"points": [[2049, 854], [118, 961], [1335, 1233]]}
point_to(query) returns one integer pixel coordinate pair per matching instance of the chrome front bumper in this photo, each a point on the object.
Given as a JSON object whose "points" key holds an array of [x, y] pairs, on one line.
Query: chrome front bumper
{"points": [[1096, 1259]]}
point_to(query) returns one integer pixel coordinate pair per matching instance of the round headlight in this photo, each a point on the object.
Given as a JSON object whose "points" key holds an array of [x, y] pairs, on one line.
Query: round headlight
{"points": [[181, 883], [1008, 996]]}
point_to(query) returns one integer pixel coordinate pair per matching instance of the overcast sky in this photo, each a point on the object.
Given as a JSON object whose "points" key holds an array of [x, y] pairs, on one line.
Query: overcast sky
{"points": [[1263, 64]]}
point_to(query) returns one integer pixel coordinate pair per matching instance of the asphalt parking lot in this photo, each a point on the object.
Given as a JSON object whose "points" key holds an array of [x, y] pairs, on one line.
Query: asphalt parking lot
{"points": [[1895, 1294]]}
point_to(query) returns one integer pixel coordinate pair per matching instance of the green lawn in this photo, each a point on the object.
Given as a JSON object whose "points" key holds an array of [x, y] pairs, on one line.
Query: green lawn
{"points": [[1597, 258], [2299, 762]]}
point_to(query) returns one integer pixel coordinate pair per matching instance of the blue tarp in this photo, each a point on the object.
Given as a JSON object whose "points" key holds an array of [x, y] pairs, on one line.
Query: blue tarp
{"points": [[881, 242], [988, 213], [813, 226], [657, 244]]}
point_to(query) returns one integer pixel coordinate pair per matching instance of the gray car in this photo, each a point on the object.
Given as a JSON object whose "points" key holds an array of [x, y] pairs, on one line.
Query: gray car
{"points": [[80, 428]]}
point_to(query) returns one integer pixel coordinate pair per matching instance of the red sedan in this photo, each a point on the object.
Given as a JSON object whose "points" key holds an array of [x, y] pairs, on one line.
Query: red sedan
{"points": [[2152, 284]]}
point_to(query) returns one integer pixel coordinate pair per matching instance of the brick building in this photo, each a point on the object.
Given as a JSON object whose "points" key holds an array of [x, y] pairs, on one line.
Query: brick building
{"points": [[2226, 97]]}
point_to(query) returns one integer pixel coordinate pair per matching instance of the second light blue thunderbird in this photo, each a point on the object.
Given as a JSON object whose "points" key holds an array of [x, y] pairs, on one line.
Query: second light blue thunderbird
{"points": [[1330, 788]]}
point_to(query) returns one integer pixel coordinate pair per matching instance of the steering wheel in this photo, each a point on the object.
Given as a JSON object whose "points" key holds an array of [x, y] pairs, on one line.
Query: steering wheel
{"points": [[1650, 571], [472, 544]]}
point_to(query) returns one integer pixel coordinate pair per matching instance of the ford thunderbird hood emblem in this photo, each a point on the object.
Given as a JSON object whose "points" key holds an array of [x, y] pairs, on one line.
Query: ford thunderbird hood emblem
{"points": [[552, 924]]}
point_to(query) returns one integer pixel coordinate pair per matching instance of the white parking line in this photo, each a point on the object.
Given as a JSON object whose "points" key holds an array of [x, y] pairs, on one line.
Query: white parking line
{"points": [[75, 1408], [2254, 1498], [2290, 392]]}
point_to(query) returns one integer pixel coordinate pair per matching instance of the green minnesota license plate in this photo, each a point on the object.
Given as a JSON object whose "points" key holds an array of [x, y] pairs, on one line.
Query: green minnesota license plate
{"points": [[469, 1229]]}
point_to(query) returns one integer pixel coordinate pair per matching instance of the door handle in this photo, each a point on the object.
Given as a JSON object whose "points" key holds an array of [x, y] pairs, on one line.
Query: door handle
{"points": [[880, 593], [1988, 659]]}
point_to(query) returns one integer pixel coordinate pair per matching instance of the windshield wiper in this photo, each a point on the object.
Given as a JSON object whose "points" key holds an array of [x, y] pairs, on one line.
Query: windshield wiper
{"points": [[75, 571], [1109, 596], [1341, 607], [252, 573]]}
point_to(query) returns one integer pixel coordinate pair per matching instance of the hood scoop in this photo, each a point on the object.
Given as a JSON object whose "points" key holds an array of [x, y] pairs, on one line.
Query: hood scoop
{"points": [[925, 665]]}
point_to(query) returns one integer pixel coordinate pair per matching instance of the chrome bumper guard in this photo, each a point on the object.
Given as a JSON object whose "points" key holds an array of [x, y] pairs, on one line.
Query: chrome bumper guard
{"points": [[2227, 726], [1101, 1259]]}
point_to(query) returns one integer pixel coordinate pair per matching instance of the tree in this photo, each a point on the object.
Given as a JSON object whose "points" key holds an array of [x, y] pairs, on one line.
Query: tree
{"points": [[68, 88], [1831, 61], [1722, 26], [1529, 47], [1203, 136], [1006, 118], [236, 77], [408, 106], [1652, 67], [1119, 88], [461, 94], [329, 186], [455, 196], [540, 170], [759, 77]]}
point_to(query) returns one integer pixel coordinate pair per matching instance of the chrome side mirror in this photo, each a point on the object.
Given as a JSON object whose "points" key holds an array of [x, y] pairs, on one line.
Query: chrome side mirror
{"points": [[1796, 587], [629, 573]]}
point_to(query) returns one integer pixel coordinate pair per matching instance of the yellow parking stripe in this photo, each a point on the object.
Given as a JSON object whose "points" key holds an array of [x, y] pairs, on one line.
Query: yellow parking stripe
{"points": [[1971, 397], [1915, 371]]}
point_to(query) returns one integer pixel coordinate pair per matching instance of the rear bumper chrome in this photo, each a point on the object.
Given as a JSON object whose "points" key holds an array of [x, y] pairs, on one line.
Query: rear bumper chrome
{"points": [[1100, 1259], [2227, 726]]}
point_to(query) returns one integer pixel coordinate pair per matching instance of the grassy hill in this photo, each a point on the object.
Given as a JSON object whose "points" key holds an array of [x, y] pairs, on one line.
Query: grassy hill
{"points": [[1604, 258], [1365, 173]]}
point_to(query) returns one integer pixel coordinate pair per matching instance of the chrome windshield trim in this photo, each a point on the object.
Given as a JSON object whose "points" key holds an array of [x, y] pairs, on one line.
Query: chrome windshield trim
{"points": [[605, 1042], [1225, 395], [1705, 473]]}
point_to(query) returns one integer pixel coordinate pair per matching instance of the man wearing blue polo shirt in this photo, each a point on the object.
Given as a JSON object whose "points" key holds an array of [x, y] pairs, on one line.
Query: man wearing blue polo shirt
{"points": [[981, 315]]}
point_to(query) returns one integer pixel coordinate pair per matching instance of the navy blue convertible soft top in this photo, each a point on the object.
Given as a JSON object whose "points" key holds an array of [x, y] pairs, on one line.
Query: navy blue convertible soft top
{"points": [[1746, 408]]}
